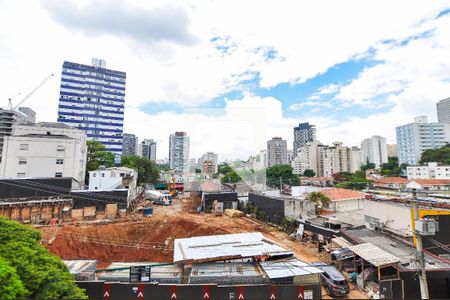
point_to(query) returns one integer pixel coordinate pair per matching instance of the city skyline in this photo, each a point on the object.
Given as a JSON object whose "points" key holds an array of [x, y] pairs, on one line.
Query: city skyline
{"points": [[349, 93]]}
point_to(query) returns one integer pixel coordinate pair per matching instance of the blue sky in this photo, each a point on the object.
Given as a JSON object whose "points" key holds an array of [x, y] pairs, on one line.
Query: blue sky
{"points": [[354, 70]]}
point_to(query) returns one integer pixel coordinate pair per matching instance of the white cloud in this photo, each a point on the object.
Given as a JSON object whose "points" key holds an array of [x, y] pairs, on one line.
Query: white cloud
{"points": [[280, 41], [315, 104]]}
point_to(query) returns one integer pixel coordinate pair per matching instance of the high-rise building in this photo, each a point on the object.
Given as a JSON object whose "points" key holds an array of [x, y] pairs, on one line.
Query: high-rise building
{"points": [[212, 157], [309, 157], [355, 159], [148, 149], [277, 152], [335, 159], [92, 98], [11, 117], [179, 152], [303, 134], [129, 144], [414, 138], [374, 150], [443, 110], [392, 150]]}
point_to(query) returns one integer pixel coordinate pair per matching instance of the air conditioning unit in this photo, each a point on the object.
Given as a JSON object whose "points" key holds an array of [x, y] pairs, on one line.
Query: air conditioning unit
{"points": [[427, 226]]}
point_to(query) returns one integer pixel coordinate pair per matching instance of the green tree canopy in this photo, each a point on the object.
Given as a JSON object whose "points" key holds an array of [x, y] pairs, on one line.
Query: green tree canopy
{"points": [[368, 166], [391, 168], [148, 171], [309, 173], [28, 270], [224, 168], [439, 155], [230, 177], [97, 156], [283, 172]]}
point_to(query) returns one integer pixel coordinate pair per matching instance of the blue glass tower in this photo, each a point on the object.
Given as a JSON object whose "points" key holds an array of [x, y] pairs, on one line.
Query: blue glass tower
{"points": [[92, 98]]}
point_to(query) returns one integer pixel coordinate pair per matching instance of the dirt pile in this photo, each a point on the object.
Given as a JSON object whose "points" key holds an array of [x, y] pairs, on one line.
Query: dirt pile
{"points": [[151, 239]]}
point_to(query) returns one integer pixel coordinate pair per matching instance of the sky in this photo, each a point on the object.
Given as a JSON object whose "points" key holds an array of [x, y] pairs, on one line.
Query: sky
{"points": [[234, 74]]}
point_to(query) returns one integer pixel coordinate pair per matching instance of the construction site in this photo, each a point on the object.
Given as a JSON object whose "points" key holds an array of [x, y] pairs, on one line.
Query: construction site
{"points": [[139, 238], [136, 237]]}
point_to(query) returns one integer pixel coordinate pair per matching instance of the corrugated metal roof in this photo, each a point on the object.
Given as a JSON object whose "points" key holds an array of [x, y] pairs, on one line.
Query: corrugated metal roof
{"points": [[288, 268], [226, 246], [163, 274], [80, 266], [341, 242], [374, 255], [227, 273]]}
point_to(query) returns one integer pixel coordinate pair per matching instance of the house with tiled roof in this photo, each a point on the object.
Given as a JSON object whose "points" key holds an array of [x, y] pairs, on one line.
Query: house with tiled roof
{"points": [[390, 183], [433, 184], [344, 199]]}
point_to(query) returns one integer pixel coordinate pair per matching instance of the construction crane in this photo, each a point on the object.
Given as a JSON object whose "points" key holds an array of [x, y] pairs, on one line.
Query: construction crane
{"points": [[10, 105]]}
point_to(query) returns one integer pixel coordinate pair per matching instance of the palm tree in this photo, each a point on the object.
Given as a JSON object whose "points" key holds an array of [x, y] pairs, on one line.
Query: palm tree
{"points": [[319, 199]]}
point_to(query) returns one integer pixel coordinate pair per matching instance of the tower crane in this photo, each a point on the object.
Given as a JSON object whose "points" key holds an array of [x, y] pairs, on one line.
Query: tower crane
{"points": [[10, 105]]}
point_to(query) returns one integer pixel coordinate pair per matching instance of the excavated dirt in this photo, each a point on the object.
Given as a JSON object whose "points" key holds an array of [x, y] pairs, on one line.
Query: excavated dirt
{"points": [[151, 239]]}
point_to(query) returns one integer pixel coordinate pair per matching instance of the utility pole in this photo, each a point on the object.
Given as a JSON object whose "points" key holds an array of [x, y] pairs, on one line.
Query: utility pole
{"points": [[281, 186], [419, 246]]}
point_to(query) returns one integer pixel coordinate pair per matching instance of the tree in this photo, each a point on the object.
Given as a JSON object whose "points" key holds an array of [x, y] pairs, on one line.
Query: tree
{"points": [[439, 155], [198, 171], [11, 287], [391, 168], [148, 171], [309, 173], [97, 156], [230, 177], [368, 166], [342, 176], [320, 200], [281, 172], [224, 168], [34, 273]]}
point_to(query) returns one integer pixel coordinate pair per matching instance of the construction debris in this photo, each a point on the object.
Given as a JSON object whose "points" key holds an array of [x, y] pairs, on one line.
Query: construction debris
{"points": [[234, 213]]}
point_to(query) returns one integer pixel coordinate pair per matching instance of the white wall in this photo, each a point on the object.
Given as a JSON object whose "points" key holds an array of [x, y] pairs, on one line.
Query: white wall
{"points": [[395, 217], [41, 158], [347, 205]]}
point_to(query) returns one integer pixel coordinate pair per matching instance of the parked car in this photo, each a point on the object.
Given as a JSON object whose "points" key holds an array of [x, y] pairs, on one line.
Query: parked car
{"points": [[334, 282]]}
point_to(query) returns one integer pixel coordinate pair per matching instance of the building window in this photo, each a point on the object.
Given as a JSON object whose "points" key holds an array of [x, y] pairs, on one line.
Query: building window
{"points": [[58, 174], [22, 161], [59, 161], [23, 147], [103, 174], [94, 175], [21, 175], [60, 148]]}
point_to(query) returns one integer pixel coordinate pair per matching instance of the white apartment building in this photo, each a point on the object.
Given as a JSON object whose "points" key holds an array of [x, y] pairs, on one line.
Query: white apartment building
{"points": [[276, 152], [374, 150], [179, 152], [309, 157], [335, 159], [45, 150], [443, 110], [430, 171], [355, 160], [414, 138], [392, 150], [114, 178]]}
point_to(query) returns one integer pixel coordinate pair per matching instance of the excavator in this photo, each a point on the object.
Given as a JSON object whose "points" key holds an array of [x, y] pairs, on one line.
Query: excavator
{"points": [[172, 190]]}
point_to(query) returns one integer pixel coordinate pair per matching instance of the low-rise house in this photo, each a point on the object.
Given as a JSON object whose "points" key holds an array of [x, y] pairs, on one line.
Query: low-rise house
{"points": [[433, 184], [343, 199], [114, 178], [390, 183], [318, 181]]}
